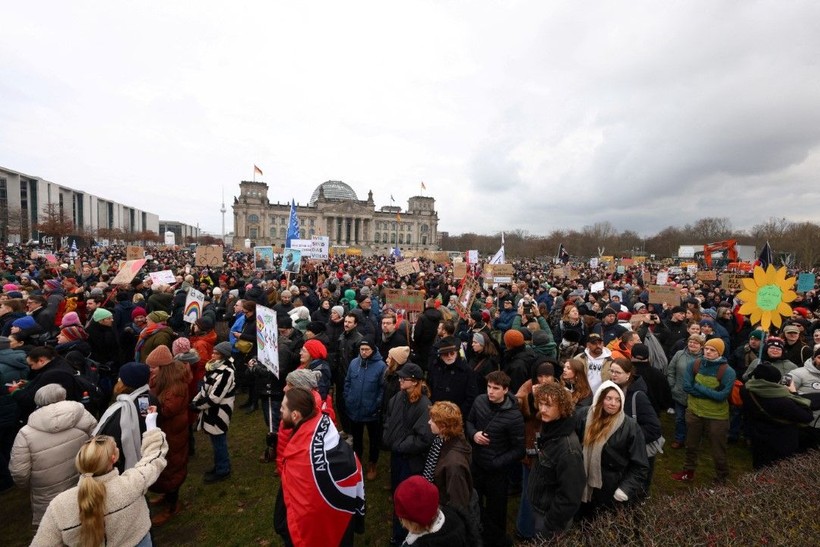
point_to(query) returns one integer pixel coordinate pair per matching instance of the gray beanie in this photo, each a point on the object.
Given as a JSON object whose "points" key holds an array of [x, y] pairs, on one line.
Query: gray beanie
{"points": [[340, 311], [305, 378], [224, 349]]}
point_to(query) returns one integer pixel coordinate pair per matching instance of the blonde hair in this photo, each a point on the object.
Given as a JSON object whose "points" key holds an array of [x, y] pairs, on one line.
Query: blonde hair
{"points": [[93, 459]]}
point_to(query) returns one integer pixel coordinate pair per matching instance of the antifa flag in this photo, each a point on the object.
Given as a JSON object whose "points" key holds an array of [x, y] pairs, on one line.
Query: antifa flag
{"points": [[563, 255], [766, 257], [322, 484]]}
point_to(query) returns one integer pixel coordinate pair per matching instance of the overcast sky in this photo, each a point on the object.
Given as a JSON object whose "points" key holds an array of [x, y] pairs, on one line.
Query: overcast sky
{"points": [[533, 115]]}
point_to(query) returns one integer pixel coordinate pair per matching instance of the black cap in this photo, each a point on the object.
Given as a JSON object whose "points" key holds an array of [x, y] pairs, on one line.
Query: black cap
{"points": [[410, 370], [640, 352]]}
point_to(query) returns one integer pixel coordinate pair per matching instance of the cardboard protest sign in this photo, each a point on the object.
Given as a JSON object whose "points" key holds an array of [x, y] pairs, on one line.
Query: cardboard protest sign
{"points": [[209, 256], [472, 257], [459, 270], [305, 246], [464, 302], [647, 277], [267, 339], [166, 277], [638, 318], [659, 294], [598, 286], [128, 271], [706, 275], [263, 258], [805, 282], [662, 279], [731, 282], [194, 303], [405, 299], [406, 267], [133, 253], [321, 248], [627, 262], [292, 260]]}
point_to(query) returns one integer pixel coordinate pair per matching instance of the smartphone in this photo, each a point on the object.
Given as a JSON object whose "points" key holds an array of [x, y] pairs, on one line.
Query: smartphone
{"points": [[142, 404], [786, 380]]}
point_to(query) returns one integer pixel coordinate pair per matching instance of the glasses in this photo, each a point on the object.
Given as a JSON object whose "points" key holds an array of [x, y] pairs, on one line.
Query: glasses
{"points": [[448, 352], [99, 439]]}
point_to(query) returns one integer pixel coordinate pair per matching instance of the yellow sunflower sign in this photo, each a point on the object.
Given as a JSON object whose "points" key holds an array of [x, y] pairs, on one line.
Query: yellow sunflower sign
{"points": [[766, 296]]}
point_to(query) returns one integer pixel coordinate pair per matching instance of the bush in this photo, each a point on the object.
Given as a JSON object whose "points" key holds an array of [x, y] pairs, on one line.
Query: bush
{"points": [[775, 506]]}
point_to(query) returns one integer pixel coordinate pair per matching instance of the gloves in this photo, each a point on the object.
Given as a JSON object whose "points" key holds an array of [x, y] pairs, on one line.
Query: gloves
{"points": [[151, 421], [620, 495]]}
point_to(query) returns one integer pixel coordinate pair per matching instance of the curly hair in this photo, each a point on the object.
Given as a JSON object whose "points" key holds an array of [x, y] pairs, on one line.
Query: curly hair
{"points": [[553, 394], [448, 419]]}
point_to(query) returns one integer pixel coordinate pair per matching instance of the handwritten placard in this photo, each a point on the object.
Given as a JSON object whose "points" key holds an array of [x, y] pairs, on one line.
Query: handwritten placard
{"points": [[706, 275], [208, 255], [405, 299], [731, 282], [134, 253], [661, 294]]}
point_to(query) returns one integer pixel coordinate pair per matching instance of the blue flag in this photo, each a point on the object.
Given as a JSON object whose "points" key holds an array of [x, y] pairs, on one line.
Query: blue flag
{"points": [[293, 224]]}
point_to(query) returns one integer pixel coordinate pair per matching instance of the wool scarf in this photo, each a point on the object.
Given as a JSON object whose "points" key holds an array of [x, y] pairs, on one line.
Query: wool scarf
{"points": [[592, 455]]}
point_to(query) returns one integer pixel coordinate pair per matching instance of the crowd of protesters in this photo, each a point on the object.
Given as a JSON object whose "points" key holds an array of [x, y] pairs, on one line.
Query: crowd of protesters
{"points": [[542, 389]]}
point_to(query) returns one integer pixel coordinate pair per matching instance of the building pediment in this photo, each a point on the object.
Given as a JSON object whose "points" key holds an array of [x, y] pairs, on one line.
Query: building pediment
{"points": [[343, 208]]}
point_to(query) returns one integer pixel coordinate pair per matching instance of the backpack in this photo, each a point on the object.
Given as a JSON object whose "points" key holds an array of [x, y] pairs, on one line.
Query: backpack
{"points": [[734, 396], [93, 397]]}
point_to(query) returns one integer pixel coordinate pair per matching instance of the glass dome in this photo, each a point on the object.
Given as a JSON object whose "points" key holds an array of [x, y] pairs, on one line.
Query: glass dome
{"points": [[334, 189]]}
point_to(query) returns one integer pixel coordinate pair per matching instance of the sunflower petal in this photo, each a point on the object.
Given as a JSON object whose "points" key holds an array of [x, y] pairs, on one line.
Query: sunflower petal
{"points": [[748, 308], [789, 296], [749, 284], [760, 276], [747, 296], [771, 274], [784, 309], [780, 276], [788, 283], [757, 314], [776, 319]]}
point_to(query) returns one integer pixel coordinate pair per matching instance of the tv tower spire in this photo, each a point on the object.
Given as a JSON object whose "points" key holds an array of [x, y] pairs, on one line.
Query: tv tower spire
{"points": [[222, 210]]}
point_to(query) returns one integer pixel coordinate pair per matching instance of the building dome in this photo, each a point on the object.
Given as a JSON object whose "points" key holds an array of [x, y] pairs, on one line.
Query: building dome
{"points": [[333, 189]]}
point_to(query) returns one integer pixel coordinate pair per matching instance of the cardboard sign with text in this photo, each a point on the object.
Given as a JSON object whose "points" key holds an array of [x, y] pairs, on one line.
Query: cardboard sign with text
{"points": [[405, 299], [208, 255], [133, 253], [128, 270], [706, 275], [731, 282], [459, 270], [660, 294], [406, 267], [465, 300]]}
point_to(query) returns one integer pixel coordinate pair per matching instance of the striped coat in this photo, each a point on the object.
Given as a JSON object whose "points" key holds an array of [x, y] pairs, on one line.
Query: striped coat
{"points": [[215, 400]]}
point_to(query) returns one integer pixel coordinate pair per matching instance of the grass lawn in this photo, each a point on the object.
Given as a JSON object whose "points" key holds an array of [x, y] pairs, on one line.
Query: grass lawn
{"points": [[239, 511]]}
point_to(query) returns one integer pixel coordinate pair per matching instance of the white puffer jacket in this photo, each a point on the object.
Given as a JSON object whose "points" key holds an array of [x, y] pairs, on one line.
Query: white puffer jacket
{"points": [[44, 451]]}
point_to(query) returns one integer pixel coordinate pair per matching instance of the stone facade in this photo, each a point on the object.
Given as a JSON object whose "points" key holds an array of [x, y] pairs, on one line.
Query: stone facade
{"points": [[335, 211]]}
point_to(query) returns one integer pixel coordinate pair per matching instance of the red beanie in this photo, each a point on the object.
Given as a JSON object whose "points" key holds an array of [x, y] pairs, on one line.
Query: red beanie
{"points": [[513, 338], [316, 349], [416, 499]]}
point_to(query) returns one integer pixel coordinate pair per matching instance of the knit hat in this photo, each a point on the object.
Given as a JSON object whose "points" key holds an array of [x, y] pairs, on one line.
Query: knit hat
{"points": [[300, 313], [74, 333], [716, 344], [416, 499], [160, 357], [513, 339], [677, 309], [640, 352], [24, 323], [180, 345], [526, 333], [412, 371], [540, 338], [205, 323], [15, 294], [757, 334], [768, 372], [134, 375], [478, 337], [399, 354], [367, 341], [802, 311], [477, 316], [316, 327], [158, 316], [706, 322], [223, 349], [100, 314], [8, 287], [217, 291], [774, 341], [284, 321], [304, 378], [52, 284], [70, 319], [340, 311], [315, 349]]}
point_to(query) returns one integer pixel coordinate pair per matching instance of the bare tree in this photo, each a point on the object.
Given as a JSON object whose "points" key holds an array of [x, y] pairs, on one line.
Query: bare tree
{"points": [[55, 223]]}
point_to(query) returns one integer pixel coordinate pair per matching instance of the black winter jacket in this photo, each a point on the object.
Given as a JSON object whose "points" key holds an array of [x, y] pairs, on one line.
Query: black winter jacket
{"points": [[406, 430], [455, 383], [504, 425], [557, 478], [644, 414]]}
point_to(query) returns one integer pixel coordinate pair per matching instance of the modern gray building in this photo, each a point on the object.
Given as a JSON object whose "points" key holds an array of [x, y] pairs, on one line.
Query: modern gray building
{"points": [[23, 199]]}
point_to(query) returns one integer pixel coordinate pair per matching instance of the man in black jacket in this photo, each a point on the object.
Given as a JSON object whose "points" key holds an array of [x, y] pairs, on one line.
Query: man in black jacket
{"points": [[450, 378], [348, 349], [46, 368], [495, 427], [391, 337]]}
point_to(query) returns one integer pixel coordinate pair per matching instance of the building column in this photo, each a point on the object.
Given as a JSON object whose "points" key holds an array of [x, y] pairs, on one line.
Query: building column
{"points": [[357, 223]]}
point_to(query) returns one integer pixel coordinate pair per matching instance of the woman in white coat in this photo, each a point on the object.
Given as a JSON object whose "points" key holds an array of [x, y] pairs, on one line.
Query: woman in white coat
{"points": [[43, 453]]}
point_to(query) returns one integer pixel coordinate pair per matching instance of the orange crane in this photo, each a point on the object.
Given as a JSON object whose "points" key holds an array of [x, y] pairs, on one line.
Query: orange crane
{"points": [[729, 246]]}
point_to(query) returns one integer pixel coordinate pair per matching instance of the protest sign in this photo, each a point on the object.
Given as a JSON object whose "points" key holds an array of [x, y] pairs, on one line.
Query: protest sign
{"points": [[472, 257], [134, 253], [805, 282], [459, 270], [321, 248], [263, 258], [164, 277], [194, 303], [662, 279], [706, 275], [267, 339], [305, 246], [128, 270], [208, 255], [464, 302], [406, 267], [659, 294], [731, 282], [292, 260], [593, 262], [405, 299], [598, 286]]}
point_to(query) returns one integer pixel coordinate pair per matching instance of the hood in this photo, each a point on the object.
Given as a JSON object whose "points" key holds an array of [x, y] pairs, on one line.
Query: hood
{"points": [[604, 354], [809, 365], [638, 384], [601, 388], [57, 417]]}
